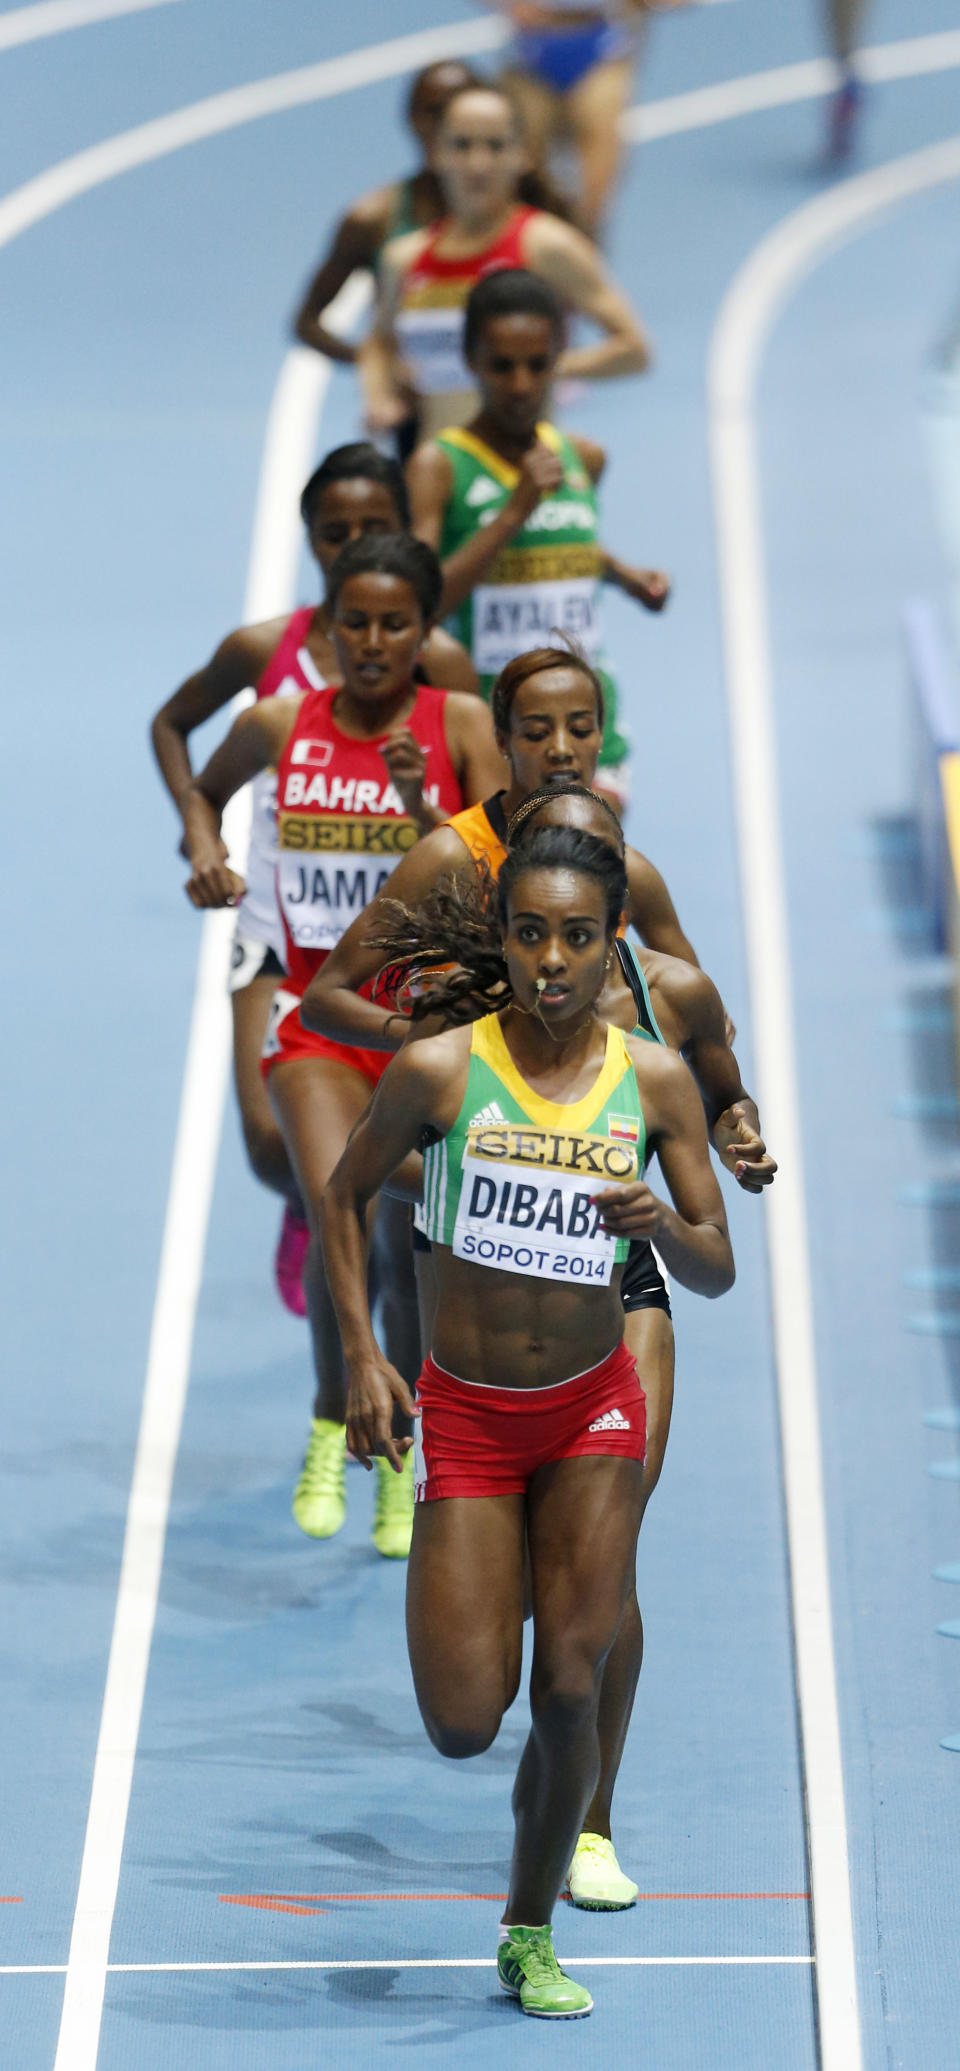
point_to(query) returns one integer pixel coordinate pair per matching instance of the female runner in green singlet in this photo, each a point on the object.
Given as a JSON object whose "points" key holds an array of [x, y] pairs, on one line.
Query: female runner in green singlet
{"points": [[538, 1119], [662, 999], [509, 503]]}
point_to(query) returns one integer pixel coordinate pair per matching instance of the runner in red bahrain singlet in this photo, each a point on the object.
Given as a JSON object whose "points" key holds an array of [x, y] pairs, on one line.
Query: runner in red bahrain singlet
{"points": [[341, 830]]}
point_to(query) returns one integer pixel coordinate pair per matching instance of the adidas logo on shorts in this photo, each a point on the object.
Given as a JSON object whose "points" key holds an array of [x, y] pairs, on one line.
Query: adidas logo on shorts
{"points": [[611, 1420]]}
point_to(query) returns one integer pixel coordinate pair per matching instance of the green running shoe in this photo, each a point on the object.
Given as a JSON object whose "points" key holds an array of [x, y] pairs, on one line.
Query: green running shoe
{"points": [[393, 1516], [596, 1879], [528, 1969], [318, 1499]]}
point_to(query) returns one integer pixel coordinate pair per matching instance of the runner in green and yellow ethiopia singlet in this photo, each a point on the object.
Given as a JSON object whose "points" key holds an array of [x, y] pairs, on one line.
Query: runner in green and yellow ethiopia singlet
{"points": [[547, 581], [511, 1184]]}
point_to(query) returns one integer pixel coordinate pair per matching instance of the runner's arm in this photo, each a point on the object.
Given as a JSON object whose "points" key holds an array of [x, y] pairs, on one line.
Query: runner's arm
{"points": [[573, 266], [235, 666], [410, 1096], [652, 910], [256, 739], [387, 400], [691, 1236], [731, 1112], [332, 1003], [647, 586], [448, 664], [430, 481], [356, 242]]}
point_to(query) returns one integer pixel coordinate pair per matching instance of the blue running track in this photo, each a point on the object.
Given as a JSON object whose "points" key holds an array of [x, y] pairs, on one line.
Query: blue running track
{"points": [[286, 1807]]}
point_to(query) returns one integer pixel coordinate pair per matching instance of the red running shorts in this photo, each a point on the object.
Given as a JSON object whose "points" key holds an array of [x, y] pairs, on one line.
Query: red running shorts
{"points": [[471, 1440], [287, 1041]]}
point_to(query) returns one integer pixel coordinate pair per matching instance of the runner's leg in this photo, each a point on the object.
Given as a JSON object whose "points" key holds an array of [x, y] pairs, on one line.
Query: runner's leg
{"points": [[649, 1336], [583, 1516], [465, 1616], [540, 110], [594, 109], [316, 1102], [265, 1147]]}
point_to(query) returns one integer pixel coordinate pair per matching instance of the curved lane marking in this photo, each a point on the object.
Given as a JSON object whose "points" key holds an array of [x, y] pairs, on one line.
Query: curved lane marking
{"points": [[51, 17], [744, 323]]}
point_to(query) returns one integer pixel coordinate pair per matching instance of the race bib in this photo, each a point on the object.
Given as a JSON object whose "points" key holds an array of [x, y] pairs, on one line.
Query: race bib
{"points": [[526, 1201], [509, 618], [331, 865], [430, 342]]}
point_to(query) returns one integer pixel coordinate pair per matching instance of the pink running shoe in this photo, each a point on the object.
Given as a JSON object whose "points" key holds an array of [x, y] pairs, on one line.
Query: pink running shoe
{"points": [[288, 1261]]}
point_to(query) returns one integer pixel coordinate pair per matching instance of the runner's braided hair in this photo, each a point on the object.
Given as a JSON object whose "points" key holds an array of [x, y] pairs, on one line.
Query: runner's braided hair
{"points": [[539, 801], [459, 926]]}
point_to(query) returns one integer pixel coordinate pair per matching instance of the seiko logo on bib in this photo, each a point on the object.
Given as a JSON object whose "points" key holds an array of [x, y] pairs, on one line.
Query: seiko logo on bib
{"points": [[526, 1203]]}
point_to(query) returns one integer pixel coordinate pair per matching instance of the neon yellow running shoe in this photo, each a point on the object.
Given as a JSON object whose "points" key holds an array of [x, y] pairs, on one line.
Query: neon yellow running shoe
{"points": [[527, 1968], [596, 1879], [318, 1499], [393, 1516]]}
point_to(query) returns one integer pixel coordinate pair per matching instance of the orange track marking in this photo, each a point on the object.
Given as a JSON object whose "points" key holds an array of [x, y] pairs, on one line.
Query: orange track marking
{"points": [[317, 1901]]}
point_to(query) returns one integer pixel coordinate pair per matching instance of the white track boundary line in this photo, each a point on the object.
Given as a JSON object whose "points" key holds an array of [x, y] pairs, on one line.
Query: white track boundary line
{"points": [[51, 17], [271, 588], [911, 57], [85, 170], [743, 327], [21, 1970]]}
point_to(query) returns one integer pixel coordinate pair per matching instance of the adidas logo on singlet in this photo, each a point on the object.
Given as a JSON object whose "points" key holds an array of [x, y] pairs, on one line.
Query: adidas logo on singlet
{"points": [[611, 1420], [493, 1113], [481, 491]]}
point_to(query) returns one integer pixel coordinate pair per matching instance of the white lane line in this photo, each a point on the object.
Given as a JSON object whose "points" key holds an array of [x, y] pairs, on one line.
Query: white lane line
{"points": [[913, 57], [85, 170], [271, 588], [742, 329], [21, 1970], [52, 17]]}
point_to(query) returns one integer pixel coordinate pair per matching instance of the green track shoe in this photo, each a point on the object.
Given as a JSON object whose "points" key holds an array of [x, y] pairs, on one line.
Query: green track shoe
{"points": [[596, 1879], [528, 1969], [318, 1499], [393, 1516]]}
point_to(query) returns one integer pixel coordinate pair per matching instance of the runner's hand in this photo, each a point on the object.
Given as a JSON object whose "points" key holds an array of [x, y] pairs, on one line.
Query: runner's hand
{"points": [[647, 586], [385, 412], [374, 1388], [630, 1211], [541, 470], [742, 1151], [406, 760], [211, 881]]}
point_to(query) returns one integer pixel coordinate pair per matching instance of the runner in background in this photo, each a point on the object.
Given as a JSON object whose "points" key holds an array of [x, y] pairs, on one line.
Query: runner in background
{"points": [[412, 361], [354, 494], [363, 767], [509, 502], [845, 19], [385, 212], [571, 70]]}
